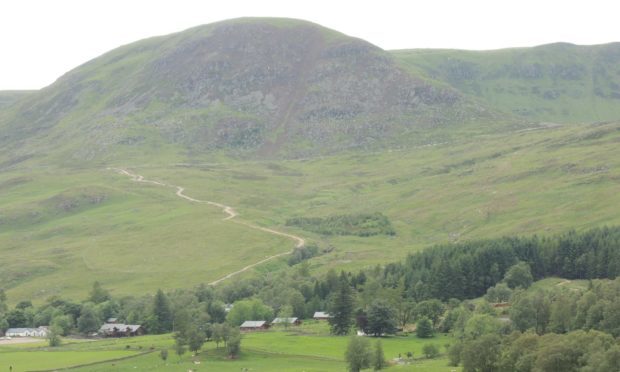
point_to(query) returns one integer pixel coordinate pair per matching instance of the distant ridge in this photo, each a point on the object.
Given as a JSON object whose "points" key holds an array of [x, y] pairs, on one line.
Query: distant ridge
{"points": [[261, 87], [559, 82], [284, 88]]}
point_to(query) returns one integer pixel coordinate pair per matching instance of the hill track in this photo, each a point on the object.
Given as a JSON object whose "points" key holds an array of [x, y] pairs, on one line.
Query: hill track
{"points": [[231, 214]]}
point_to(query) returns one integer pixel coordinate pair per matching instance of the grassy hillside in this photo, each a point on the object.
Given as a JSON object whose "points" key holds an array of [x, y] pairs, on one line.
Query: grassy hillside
{"points": [[561, 83], [139, 237], [8, 97], [520, 183], [56, 237], [415, 137]]}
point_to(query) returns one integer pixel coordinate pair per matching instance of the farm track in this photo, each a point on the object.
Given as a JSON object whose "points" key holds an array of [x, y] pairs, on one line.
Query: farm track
{"points": [[231, 216]]}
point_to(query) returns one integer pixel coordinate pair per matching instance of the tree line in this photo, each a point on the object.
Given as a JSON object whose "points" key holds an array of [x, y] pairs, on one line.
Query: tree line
{"points": [[193, 316], [429, 289], [466, 270], [444, 272], [556, 329]]}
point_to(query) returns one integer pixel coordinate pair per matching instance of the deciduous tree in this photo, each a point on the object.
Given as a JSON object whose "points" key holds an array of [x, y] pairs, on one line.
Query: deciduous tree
{"points": [[430, 351], [519, 276], [378, 360], [424, 328], [381, 318], [358, 354], [233, 346], [89, 320], [482, 354], [53, 336]]}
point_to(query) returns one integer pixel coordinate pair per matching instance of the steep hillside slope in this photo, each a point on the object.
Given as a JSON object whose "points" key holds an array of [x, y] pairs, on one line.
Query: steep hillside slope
{"points": [[560, 82], [8, 97], [260, 86]]}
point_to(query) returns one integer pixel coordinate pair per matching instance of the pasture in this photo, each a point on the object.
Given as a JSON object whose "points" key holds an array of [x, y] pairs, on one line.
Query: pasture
{"points": [[305, 348]]}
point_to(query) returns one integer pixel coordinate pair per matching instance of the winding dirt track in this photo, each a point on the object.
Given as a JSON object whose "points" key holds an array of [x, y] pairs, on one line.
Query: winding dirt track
{"points": [[231, 214]]}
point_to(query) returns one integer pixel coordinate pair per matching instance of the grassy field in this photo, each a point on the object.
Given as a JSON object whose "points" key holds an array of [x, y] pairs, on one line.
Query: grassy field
{"points": [[29, 360], [136, 237], [307, 348], [554, 283], [61, 229]]}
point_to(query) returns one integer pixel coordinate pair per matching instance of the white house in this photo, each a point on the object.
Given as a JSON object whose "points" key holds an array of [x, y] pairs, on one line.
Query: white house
{"points": [[27, 332], [321, 315], [294, 321]]}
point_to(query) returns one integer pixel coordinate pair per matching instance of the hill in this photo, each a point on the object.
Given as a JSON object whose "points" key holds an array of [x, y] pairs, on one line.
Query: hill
{"points": [[560, 83], [264, 115], [261, 87], [8, 97]]}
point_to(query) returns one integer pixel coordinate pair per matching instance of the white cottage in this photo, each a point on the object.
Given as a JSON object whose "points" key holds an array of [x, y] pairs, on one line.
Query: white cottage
{"points": [[27, 332]]}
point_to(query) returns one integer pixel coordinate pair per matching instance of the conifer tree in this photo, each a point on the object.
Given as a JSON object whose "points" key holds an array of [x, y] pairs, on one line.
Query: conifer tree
{"points": [[162, 314], [341, 309], [98, 294]]}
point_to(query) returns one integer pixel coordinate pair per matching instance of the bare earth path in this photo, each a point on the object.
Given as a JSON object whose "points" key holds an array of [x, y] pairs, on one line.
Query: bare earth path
{"points": [[231, 214], [564, 282], [20, 340]]}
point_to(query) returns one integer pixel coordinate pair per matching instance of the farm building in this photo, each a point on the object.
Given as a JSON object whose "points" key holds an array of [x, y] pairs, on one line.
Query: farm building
{"points": [[120, 330], [26, 332], [254, 325], [321, 315], [293, 321]]}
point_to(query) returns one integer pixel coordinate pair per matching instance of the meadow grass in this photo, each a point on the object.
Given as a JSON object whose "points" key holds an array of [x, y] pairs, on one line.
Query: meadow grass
{"points": [[555, 283], [142, 237], [305, 348], [23, 360]]}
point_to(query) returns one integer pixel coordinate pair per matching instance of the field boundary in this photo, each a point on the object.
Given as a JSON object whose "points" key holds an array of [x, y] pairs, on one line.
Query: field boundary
{"points": [[94, 363]]}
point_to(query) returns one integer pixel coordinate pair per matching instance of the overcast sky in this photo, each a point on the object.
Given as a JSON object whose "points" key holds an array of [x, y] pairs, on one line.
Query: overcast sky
{"points": [[42, 39]]}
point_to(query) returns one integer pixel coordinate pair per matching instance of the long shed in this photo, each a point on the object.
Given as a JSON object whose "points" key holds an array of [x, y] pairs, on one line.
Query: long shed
{"points": [[254, 325]]}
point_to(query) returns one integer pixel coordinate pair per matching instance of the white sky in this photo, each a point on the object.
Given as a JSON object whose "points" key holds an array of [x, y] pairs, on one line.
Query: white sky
{"points": [[42, 39]]}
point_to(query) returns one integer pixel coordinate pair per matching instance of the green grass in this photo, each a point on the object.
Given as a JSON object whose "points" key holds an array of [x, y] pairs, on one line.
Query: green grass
{"points": [[215, 360], [141, 237], [554, 283], [293, 343], [526, 182], [49, 360], [305, 348]]}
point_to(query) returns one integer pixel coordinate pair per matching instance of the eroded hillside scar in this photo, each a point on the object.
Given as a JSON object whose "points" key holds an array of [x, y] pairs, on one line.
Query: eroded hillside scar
{"points": [[231, 214]]}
